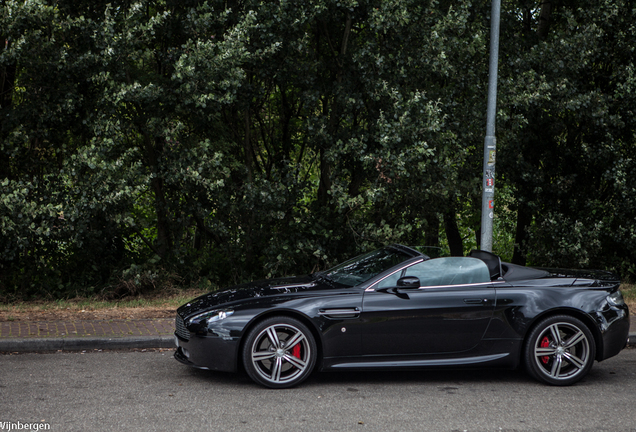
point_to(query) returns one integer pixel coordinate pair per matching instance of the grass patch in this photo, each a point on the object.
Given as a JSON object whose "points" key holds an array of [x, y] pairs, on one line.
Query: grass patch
{"points": [[629, 293], [94, 303]]}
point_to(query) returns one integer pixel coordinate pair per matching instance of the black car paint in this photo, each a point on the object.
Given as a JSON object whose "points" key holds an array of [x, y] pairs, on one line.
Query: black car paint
{"points": [[519, 307], [353, 332]]}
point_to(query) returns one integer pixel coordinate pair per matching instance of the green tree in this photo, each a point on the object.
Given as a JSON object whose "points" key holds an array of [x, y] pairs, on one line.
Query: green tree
{"points": [[569, 132], [215, 142]]}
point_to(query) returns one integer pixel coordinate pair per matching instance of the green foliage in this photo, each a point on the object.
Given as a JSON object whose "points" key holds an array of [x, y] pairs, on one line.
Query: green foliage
{"points": [[568, 146], [209, 142]]}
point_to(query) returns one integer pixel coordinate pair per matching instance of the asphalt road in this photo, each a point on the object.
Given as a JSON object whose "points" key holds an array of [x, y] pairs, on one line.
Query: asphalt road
{"points": [[150, 391]]}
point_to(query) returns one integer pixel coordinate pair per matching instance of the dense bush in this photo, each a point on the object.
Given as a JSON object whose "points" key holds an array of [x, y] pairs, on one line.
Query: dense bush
{"points": [[208, 143]]}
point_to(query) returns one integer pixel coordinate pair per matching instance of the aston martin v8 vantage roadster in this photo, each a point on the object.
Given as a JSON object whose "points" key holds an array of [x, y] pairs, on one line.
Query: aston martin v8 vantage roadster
{"points": [[397, 308]]}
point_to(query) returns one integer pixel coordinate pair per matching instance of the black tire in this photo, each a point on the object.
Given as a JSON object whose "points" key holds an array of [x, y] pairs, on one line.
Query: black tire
{"points": [[559, 350], [279, 352]]}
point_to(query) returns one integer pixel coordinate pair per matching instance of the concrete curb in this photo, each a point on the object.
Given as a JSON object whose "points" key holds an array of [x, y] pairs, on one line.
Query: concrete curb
{"points": [[85, 343]]}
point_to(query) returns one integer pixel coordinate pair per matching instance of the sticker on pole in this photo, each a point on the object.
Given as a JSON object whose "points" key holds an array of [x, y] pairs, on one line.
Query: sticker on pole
{"points": [[491, 157], [491, 204], [490, 182]]}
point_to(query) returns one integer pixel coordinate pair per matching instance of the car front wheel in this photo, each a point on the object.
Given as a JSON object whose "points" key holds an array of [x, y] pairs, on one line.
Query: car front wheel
{"points": [[279, 352], [560, 350]]}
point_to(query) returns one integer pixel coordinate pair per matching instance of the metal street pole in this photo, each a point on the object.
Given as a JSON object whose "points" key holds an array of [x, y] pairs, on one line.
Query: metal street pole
{"points": [[490, 143]]}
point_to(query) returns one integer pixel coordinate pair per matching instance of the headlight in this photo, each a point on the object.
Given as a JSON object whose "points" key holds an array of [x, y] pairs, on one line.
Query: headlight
{"points": [[211, 316], [220, 315], [616, 298]]}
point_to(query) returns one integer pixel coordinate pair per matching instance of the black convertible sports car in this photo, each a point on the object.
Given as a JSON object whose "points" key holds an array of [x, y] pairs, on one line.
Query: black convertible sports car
{"points": [[396, 308]]}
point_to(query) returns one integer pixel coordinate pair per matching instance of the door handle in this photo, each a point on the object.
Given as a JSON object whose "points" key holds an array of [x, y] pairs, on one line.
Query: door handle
{"points": [[475, 301]]}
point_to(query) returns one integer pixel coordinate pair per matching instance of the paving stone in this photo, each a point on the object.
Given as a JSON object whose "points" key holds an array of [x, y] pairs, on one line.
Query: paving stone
{"points": [[77, 329]]}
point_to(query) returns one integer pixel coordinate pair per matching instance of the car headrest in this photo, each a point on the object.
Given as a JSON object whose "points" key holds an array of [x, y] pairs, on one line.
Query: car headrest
{"points": [[492, 261]]}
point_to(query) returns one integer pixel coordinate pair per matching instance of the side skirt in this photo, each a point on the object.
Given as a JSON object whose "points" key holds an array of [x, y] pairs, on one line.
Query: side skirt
{"points": [[397, 364], [489, 353]]}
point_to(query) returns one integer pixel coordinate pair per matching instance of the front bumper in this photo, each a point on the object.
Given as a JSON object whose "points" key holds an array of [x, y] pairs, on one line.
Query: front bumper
{"points": [[181, 357], [207, 352]]}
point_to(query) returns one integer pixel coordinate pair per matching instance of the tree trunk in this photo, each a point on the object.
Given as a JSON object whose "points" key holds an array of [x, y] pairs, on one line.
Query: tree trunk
{"points": [[164, 236], [247, 147], [455, 242], [544, 18], [431, 237], [164, 239], [478, 236], [325, 180], [524, 219], [7, 82]]}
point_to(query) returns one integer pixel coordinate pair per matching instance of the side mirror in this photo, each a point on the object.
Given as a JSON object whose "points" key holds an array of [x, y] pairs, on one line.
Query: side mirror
{"points": [[408, 282]]}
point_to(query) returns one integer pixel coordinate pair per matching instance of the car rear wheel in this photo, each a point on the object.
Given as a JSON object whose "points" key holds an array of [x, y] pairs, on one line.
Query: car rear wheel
{"points": [[560, 350], [279, 352]]}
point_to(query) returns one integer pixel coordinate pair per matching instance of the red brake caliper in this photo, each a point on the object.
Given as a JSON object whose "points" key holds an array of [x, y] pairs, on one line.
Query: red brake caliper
{"points": [[545, 342], [296, 351]]}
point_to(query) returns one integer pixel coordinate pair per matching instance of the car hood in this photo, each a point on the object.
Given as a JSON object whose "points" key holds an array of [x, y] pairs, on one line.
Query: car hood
{"points": [[264, 288]]}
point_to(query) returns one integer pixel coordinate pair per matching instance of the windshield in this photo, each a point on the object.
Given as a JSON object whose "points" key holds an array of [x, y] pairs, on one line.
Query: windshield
{"points": [[362, 268]]}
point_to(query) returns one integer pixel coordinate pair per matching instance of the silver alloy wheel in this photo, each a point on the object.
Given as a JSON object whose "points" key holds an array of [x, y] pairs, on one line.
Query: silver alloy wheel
{"points": [[562, 351], [281, 353]]}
